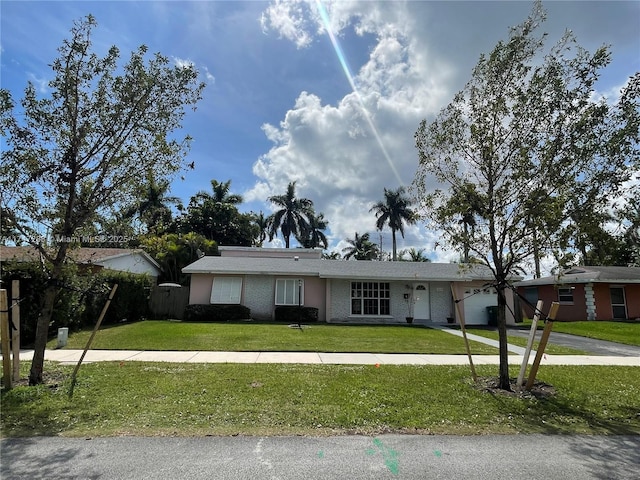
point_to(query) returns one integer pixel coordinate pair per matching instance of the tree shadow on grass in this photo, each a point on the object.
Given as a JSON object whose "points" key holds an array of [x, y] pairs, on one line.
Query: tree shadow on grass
{"points": [[40, 459]]}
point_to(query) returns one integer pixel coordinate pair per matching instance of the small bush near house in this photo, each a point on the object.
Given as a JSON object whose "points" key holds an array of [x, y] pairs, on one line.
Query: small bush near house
{"points": [[215, 313], [293, 314]]}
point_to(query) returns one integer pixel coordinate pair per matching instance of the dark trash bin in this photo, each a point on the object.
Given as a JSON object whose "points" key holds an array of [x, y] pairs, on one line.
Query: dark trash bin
{"points": [[493, 316]]}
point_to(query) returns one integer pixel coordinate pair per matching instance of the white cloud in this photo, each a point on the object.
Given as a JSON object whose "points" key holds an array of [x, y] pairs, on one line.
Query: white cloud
{"points": [[331, 151]]}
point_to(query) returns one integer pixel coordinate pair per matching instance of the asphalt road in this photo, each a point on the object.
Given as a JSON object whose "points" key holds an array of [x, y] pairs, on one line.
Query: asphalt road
{"points": [[590, 345], [423, 457]]}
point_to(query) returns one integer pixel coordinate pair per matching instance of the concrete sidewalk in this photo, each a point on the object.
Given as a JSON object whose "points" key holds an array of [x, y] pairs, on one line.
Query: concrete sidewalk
{"points": [[72, 357]]}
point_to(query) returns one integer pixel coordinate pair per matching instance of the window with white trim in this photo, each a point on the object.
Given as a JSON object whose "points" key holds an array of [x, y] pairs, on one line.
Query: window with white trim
{"points": [[370, 298], [289, 290], [226, 290]]}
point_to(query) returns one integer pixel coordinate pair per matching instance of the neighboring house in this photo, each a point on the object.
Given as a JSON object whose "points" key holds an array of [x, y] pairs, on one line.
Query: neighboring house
{"points": [[119, 259], [342, 291], [587, 293]]}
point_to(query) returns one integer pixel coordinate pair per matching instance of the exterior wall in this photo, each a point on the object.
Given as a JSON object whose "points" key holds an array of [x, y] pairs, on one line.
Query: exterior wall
{"points": [[602, 293], [441, 302], [134, 263], [200, 289], [339, 310], [488, 300], [567, 311], [258, 294]]}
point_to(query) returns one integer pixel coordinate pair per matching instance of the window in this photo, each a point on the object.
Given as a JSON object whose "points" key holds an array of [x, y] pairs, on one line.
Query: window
{"points": [[565, 295], [226, 290], [370, 298], [288, 290], [531, 295], [618, 306]]}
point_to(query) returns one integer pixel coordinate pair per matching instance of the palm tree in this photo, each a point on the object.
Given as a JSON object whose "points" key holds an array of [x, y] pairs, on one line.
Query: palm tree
{"points": [[153, 206], [312, 235], [415, 255], [394, 211], [220, 193], [262, 226], [292, 217], [361, 248]]}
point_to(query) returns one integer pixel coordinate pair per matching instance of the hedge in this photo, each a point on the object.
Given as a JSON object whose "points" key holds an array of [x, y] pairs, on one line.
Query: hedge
{"points": [[295, 314], [215, 313]]}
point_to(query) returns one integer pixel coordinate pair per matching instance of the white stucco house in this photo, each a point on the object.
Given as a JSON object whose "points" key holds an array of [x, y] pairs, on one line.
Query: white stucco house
{"points": [[342, 291]]}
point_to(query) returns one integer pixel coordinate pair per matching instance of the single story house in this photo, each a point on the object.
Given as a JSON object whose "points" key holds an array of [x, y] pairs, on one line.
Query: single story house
{"points": [[95, 259], [342, 291], [587, 293]]}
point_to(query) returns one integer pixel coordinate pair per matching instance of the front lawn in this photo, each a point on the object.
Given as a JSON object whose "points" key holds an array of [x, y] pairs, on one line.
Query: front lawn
{"points": [[184, 336], [621, 332], [131, 398]]}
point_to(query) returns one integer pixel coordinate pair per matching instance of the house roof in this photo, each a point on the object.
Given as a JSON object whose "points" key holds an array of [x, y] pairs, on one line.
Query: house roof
{"points": [[588, 275], [84, 255], [323, 268]]}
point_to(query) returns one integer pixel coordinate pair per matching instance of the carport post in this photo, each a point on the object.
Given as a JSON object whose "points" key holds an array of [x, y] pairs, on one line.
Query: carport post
{"points": [[532, 336], [553, 311], [464, 334]]}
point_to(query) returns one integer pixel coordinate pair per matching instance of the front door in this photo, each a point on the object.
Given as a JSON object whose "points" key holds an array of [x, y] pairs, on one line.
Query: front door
{"points": [[421, 309]]}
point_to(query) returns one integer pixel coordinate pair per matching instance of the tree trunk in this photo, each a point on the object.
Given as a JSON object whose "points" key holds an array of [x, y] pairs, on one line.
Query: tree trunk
{"points": [[42, 334], [504, 382], [393, 240]]}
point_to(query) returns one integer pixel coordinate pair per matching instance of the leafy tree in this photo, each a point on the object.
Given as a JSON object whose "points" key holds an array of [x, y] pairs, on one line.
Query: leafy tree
{"points": [[331, 256], [524, 125], [80, 151], [312, 234], [292, 218], [361, 248], [394, 211], [216, 216], [174, 252]]}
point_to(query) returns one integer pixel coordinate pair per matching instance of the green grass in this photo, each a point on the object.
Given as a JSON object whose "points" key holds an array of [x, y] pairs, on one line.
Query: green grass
{"points": [[621, 332], [166, 335], [522, 342], [278, 399]]}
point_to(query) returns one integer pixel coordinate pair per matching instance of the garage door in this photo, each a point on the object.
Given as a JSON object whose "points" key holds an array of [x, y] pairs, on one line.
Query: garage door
{"points": [[477, 299]]}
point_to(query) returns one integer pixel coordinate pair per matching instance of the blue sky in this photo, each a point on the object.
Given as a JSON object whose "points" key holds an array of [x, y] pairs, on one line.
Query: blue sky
{"points": [[279, 107]]}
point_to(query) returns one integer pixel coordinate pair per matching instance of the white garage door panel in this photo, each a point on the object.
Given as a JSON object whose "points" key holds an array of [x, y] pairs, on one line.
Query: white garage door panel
{"points": [[477, 299]]}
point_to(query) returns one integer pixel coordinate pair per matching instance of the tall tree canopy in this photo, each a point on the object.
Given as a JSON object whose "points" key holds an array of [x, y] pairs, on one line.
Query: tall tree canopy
{"points": [[82, 149], [524, 136], [291, 216], [394, 211]]}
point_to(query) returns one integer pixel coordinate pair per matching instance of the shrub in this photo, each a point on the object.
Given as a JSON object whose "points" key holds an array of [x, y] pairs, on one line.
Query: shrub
{"points": [[130, 303], [294, 314], [33, 280], [215, 313]]}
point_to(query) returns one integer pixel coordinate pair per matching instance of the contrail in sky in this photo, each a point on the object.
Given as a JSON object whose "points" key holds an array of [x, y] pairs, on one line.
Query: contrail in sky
{"points": [[347, 71]]}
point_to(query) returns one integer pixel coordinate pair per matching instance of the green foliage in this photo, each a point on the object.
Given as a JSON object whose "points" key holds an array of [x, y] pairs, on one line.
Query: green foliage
{"points": [[69, 304], [130, 302], [295, 314], [361, 248], [216, 313], [216, 217], [174, 252], [292, 216]]}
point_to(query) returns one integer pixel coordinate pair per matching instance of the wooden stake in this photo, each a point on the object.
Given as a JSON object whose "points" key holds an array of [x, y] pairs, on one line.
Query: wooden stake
{"points": [[15, 334], [4, 333], [93, 334], [464, 334], [553, 311], [532, 336]]}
